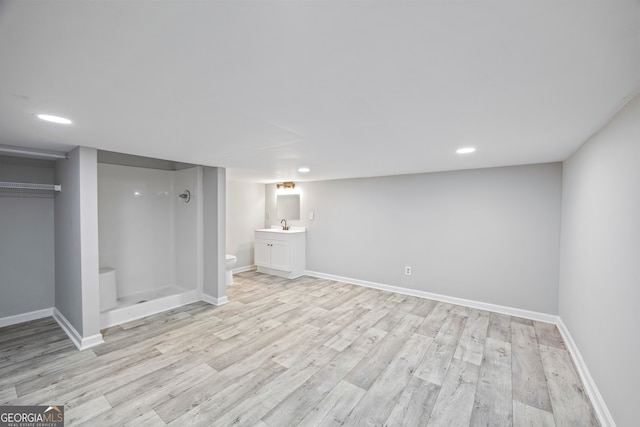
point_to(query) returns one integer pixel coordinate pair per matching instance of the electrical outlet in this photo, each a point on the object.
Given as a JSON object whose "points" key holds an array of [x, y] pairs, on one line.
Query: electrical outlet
{"points": [[407, 270]]}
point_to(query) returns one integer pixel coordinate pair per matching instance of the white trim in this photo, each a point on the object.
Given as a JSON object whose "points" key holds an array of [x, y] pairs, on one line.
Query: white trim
{"points": [[479, 305], [26, 317], [215, 301], [82, 343], [244, 269], [599, 405]]}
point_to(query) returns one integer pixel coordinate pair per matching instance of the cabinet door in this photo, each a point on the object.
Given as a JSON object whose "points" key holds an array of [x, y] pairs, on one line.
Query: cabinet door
{"points": [[280, 255], [262, 253]]}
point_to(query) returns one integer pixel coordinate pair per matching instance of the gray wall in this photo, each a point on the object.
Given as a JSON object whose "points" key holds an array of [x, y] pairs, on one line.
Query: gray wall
{"points": [[245, 213], [600, 268], [27, 275], [489, 235], [213, 232], [76, 241]]}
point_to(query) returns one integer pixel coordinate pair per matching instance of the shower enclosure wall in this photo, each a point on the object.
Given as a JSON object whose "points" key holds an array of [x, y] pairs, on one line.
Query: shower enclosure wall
{"points": [[148, 235]]}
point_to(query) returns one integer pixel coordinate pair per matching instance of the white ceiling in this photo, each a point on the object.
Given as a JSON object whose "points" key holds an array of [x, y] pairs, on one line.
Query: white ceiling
{"points": [[348, 89]]}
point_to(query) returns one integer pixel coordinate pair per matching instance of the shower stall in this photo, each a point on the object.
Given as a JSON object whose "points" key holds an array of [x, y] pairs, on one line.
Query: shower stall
{"points": [[148, 223]]}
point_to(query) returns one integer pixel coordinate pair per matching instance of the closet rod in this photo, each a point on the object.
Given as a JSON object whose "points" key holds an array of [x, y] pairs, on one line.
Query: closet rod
{"points": [[27, 152], [30, 186]]}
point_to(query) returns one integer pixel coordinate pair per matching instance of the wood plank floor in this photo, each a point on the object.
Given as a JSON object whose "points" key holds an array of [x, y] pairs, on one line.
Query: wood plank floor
{"points": [[306, 352]]}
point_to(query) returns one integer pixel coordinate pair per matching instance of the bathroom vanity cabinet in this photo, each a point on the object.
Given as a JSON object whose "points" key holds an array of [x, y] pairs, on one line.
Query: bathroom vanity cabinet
{"points": [[279, 252]]}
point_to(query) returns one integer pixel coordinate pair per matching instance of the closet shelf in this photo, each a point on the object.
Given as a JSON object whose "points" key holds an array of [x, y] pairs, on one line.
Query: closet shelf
{"points": [[30, 186]]}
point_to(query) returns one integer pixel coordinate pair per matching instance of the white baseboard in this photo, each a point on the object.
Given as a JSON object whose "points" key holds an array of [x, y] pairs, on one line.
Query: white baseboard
{"points": [[600, 407], [82, 343], [215, 301], [26, 317], [479, 305], [602, 412], [243, 269]]}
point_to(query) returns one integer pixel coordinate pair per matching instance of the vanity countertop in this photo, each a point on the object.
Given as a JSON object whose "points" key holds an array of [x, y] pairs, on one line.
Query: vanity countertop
{"points": [[280, 230]]}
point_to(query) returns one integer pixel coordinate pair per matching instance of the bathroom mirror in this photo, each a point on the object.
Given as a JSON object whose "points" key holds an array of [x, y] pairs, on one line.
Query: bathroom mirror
{"points": [[288, 206]]}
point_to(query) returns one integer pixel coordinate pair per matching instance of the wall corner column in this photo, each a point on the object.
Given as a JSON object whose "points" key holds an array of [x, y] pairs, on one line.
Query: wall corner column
{"points": [[214, 289], [77, 304]]}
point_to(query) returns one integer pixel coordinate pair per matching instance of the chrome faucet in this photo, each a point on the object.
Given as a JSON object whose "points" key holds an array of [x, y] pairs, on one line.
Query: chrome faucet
{"points": [[285, 227]]}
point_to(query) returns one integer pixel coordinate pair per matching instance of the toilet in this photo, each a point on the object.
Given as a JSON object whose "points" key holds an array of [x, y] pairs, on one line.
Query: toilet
{"points": [[230, 261], [108, 293]]}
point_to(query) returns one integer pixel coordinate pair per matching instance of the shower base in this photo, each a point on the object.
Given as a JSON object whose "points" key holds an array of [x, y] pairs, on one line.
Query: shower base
{"points": [[145, 303]]}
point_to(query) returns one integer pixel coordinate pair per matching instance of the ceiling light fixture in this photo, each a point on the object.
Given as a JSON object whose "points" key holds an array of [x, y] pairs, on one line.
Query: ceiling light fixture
{"points": [[304, 169], [288, 184], [54, 119], [465, 150]]}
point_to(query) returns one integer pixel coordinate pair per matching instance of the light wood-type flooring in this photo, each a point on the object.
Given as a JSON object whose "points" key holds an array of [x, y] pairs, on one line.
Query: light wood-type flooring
{"points": [[302, 352]]}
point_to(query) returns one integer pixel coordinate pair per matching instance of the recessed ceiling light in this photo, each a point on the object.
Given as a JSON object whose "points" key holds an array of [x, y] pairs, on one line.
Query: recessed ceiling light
{"points": [[54, 119], [465, 150], [304, 170]]}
